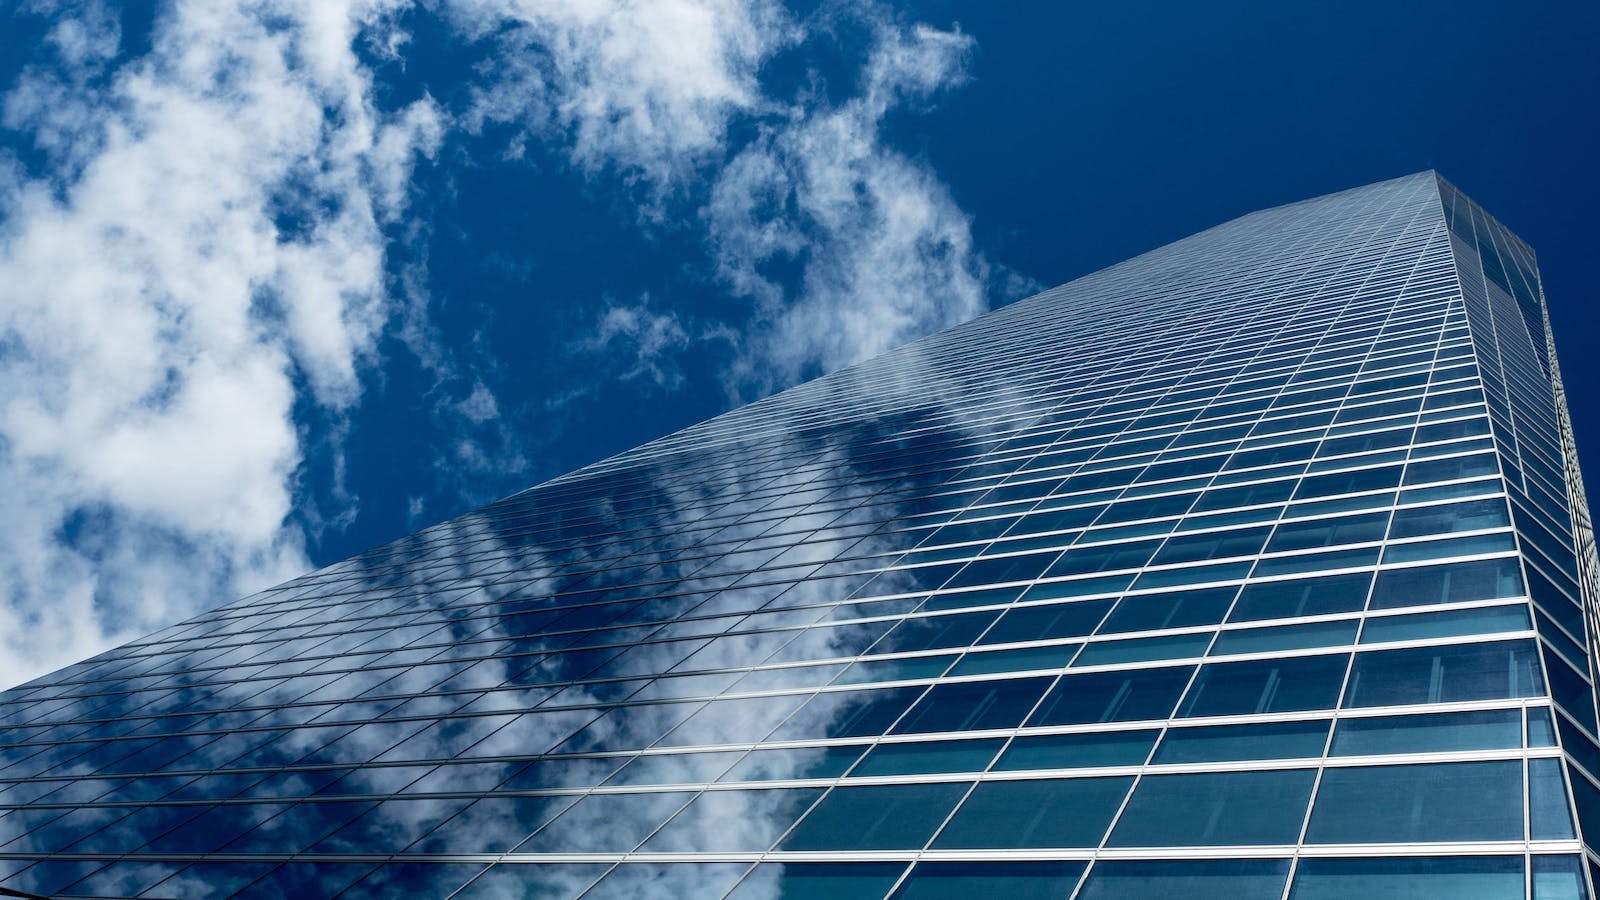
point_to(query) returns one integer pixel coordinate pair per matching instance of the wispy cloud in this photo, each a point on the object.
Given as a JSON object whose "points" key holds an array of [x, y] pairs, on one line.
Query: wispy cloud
{"points": [[201, 252], [197, 261], [643, 88], [885, 253]]}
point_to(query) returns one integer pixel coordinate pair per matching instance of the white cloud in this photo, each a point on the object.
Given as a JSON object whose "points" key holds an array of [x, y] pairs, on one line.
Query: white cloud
{"points": [[642, 87], [641, 342], [885, 251], [159, 315], [201, 264]]}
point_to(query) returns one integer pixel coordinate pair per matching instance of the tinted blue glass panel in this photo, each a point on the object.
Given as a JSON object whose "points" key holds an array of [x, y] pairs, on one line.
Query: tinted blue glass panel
{"points": [[818, 881], [678, 768], [1212, 545], [1285, 637], [1415, 878], [1493, 671], [308, 880], [1215, 809], [805, 762], [1549, 817], [842, 714], [633, 880], [1541, 731], [1451, 583], [1355, 482], [1469, 515], [1021, 567], [1478, 801], [1172, 646], [1012, 880], [1073, 812], [1112, 697], [1178, 609], [904, 669], [1272, 567], [1302, 597], [876, 817], [935, 632], [1158, 579], [1454, 469], [1021, 660], [1493, 729], [973, 706], [1208, 879], [1103, 558], [1072, 751], [1263, 686], [1271, 740], [130, 879], [1319, 533], [1453, 623], [1246, 495], [1558, 878], [934, 756], [706, 823], [1039, 623], [602, 823]]}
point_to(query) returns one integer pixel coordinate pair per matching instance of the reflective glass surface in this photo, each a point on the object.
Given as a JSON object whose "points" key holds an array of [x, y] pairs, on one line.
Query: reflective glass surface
{"points": [[1259, 563]]}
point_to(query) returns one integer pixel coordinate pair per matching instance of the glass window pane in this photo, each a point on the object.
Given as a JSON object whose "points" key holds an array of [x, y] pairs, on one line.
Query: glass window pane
{"points": [[1452, 623], [1042, 623], [1558, 878], [1012, 880], [1541, 731], [1302, 597], [842, 714], [925, 758], [1174, 609], [603, 823], [803, 762], [1487, 579], [1072, 812], [1329, 532], [1215, 809], [974, 706], [1285, 637], [1023, 660], [1075, 751], [1413, 878], [935, 632], [905, 669], [1463, 546], [1207, 879], [1266, 685], [1492, 729], [1548, 815], [542, 881], [1469, 515], [633, 880], [1271, 740], [1478, 801], [875, 817], [1495, 671], [676, 768], [1173, 646], [732, 821], [818, 881], [1112, 697]]}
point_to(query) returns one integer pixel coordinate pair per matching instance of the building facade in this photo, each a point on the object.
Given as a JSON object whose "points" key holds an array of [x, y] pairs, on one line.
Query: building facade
{"points": [[1257, 566]]}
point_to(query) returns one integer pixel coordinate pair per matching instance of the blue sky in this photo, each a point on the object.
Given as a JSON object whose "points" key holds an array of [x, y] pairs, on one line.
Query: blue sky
{"points": [[283, 280]]}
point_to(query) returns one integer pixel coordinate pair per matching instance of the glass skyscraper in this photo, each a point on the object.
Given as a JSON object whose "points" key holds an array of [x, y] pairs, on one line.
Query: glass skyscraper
{"points": [[1257, 566]]}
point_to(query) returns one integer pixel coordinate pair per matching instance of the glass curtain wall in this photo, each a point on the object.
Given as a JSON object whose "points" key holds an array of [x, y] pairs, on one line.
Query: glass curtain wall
{"points": [[1248, 568]]}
